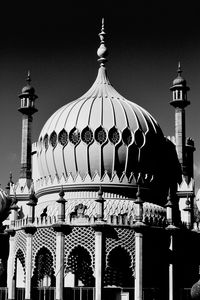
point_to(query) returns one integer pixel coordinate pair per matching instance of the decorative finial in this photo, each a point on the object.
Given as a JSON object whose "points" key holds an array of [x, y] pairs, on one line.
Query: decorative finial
{"points": [[179, 71], [138, 194], [169, 199], [9, 183], [102, 33], [33, 199], [100, 198], [11, 178], [61, 193], [100, 193], [187, 201], [28, 79], [102, 50]]}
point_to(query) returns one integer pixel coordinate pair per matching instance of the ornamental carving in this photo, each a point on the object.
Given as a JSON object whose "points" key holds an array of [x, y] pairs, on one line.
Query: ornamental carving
{"points": [[100, 135], [127, 136], [79, 211], [53, 139], [87, 135], [63, 137], [139, 138], [114, 135], [46, 141], [74, 136]]}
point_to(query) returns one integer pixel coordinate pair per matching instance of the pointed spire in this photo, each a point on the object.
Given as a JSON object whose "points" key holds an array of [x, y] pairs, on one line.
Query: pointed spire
{"points": [[9, 183], [32, 198], [28, 89], [100, 198], [61, 193], [138, 206], [169, 199], [102, 50], [179, 80], [138, 194], [100, 193], [169, 206], [28, 79], [10, 179], [179, 70], [100, 206]]}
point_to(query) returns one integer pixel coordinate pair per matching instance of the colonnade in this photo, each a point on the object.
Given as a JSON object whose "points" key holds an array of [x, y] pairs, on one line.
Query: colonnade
{"points": [[100, 227]]}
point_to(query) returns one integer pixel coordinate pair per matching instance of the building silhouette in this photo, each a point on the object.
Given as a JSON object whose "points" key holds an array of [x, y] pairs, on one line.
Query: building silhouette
{"points": [[104, 205]]}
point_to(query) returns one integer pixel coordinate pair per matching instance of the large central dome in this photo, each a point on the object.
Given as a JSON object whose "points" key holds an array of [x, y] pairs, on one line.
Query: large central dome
{"points": [[102, 137], [99, 132]]}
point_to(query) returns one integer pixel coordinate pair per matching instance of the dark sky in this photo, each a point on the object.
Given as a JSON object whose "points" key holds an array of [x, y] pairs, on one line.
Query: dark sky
{"points": [[58, 43]]}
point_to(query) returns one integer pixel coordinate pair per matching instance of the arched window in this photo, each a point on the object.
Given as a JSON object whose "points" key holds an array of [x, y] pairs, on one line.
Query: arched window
{"points": [[119, 271], [20, 268], [79, 264], [44, 272]]}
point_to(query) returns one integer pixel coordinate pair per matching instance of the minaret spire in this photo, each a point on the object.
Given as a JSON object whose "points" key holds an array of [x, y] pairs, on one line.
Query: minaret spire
{"points": [[27, 109], [28, 79], [102, 50], [179, 93], [179, 70]]}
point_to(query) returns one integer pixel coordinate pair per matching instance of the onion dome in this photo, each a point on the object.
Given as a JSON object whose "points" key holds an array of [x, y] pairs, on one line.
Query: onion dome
{"points": [[179, 81], [28, 89], [27, 98], [101, 134]]}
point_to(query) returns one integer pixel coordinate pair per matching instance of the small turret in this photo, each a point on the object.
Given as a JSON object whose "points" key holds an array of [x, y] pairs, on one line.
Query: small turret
{"points": [[28, 98], [27, 108], [179, 102], [179, 90]]}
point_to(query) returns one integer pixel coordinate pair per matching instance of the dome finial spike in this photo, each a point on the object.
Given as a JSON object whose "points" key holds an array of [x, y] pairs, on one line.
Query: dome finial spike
{"points": [[10, 176], [28, 79], [102, 50], [179, 71], [102, 33], [102, 25]]}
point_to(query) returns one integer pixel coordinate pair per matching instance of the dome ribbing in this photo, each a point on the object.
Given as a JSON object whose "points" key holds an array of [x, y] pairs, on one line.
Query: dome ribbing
{"points": [[99, 132]]}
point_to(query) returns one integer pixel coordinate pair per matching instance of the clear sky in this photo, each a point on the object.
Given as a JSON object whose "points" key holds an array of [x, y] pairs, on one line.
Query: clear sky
{"points": [[58, 43]]}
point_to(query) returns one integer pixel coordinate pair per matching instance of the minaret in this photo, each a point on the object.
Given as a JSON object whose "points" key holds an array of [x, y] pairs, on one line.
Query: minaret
{"points": [[179, 93], [27, 108]]}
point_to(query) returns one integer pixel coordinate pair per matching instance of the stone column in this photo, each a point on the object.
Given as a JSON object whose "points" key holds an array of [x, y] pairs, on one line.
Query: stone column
{"points": [[11, 277], [60, 239], [29, 229], [139, 227], [138, 266], [99, 228], [61, 229], [172, 264], [172, 231], [171, 272], [98, 263], [29, 242]]}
